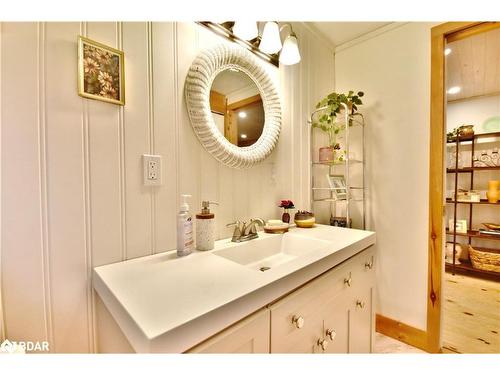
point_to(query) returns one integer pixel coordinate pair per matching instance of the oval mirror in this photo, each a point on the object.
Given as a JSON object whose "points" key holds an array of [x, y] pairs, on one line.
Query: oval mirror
{"points": [[237, 108], [233, 105]]}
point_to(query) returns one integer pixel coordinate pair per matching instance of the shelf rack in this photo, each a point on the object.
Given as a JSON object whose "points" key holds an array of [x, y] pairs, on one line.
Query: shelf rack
{"points": [[350, 120], [472, 234]]}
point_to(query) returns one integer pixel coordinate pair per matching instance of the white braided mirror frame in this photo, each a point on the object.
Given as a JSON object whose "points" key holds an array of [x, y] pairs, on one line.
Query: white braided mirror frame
{"points": [[203, 71]]}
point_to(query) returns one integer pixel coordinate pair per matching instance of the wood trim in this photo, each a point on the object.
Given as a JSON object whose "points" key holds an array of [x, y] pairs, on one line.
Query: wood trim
{"points": [[217, 102], [473, 30], [402, 332], [437, 171], [495, 93], [244, 102]]}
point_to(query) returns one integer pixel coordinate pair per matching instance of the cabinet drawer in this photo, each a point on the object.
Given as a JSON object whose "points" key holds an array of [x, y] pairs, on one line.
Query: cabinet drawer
{"points": [[250, 335]]}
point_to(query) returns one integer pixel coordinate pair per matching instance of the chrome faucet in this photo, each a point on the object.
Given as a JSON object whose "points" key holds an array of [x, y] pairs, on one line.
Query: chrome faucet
{"points": [[245, 232]]}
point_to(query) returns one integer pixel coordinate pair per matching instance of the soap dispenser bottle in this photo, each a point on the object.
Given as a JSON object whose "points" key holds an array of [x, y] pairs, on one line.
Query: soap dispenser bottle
{"points": [[184, 229], [205, 227]]}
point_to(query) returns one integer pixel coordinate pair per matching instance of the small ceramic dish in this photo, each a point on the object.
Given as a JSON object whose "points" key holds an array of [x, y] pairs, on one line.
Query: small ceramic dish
{"points": [[277, 229]]}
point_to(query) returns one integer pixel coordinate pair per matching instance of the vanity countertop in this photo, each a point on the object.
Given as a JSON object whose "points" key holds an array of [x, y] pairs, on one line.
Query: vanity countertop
{"points": [[164, 303]]}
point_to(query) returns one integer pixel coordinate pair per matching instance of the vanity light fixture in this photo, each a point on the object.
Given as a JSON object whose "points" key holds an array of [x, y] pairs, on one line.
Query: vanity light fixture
{"points": [[271, 40], [246, 30], [447, 51], [242, 114], [454, 90], [267, 46], [290, 54]]}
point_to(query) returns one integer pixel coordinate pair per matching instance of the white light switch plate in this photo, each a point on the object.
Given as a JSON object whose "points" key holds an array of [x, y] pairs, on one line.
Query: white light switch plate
{"points": [[151, 165]]}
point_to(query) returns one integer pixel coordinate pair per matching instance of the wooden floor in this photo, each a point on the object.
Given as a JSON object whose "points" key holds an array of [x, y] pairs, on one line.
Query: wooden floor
{"points": [[471, 316]]}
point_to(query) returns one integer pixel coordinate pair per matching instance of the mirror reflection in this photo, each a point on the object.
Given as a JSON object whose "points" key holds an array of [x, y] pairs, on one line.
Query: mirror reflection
{"points": [[237, 107]]}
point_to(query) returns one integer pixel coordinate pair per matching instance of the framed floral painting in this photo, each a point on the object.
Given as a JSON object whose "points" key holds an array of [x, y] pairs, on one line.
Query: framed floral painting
{"points": [[100, 72]]}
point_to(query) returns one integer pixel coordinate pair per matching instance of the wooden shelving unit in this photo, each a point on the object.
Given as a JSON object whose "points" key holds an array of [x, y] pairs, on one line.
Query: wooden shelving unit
{"points": [[472, 235]]}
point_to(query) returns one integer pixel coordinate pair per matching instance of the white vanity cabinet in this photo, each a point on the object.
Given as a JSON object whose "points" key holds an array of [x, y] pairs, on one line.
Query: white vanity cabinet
{"points": [[335, 310], [334, 313]]}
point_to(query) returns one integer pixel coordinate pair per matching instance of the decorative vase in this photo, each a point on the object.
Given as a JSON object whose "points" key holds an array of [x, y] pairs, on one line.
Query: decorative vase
{"points": [[326, 154], [286, 216], [466, 131], [493, 194]]}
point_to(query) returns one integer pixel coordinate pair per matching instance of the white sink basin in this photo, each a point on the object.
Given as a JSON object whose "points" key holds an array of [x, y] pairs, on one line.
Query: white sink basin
{"points": [[267, 253]]}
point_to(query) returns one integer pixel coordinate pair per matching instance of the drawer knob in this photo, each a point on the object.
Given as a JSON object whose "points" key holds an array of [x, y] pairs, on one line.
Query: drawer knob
{"points": [[360, 304], [298, 321], [330, 333], [348, 281], [369, 265], [323, 344]]}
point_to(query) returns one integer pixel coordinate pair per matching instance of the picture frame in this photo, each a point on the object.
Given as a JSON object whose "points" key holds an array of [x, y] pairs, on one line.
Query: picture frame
{"points": [[461, 226], [338, 185], [101, 72]]}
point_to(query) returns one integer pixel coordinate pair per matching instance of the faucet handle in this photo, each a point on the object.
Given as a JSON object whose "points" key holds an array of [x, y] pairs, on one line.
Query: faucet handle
{"points": [[237, 230], [252, 229]]}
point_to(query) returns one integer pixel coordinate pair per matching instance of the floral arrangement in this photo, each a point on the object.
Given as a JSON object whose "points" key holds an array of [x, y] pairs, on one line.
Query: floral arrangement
{"points": [[101, 72], [286, 204]]}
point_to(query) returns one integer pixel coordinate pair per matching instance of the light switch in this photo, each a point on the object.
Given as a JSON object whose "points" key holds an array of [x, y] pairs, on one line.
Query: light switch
{"points": [[151, 165]]}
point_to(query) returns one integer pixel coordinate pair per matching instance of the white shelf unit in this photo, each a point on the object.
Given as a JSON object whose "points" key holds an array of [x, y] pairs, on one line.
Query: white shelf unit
{"points": [[342, 168]]}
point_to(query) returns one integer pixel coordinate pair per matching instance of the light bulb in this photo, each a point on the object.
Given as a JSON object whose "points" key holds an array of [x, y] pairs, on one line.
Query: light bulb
{"points": [[242, 114], [245, 30], [271, 41], [447, 51], [290, 53], [243, 136], [454, 90]]}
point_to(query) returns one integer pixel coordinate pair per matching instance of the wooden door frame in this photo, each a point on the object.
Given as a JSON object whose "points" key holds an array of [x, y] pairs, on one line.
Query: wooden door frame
{"points": [[437, 171]]}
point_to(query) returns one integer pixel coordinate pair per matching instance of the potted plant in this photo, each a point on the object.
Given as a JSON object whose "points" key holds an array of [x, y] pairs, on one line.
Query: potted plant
{"points": [[327, 122]]}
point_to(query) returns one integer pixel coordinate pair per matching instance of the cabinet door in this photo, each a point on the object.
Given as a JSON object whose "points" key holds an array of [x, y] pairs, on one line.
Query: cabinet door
{"points": [[336, 324], [251, 335], [361, 320], [297, 322]]}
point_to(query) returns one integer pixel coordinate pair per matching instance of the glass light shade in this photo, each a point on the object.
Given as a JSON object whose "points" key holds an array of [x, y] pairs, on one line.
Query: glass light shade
{"points": [[245, 30], [271, 41], [290, 53]]}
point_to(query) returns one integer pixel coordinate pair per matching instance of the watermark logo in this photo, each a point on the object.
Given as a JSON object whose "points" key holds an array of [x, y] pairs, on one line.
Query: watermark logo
{"points": [[21, 347]]}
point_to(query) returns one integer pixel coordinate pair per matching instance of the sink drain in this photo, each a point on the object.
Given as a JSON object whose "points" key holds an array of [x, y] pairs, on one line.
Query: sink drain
{"points": [[262, 269]]}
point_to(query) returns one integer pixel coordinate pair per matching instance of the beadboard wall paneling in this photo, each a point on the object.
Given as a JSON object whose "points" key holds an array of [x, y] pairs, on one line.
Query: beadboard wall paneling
{"points": [[24, 237], [71, 170]]}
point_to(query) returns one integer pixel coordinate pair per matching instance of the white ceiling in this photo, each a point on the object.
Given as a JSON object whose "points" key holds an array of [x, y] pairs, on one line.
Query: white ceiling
{"points": [[341, 32]]}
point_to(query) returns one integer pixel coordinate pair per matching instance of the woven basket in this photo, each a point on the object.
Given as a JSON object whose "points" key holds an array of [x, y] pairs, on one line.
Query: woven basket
{"points": [[485, 259]]}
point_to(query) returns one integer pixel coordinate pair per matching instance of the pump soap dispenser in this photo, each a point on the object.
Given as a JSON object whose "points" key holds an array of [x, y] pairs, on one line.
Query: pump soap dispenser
{"points": [[205, 227], [184, 229]]}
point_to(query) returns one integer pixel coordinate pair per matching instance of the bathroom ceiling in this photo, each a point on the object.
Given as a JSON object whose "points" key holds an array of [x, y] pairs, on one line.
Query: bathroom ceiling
{"points": [[473, 65], [341, 32]]}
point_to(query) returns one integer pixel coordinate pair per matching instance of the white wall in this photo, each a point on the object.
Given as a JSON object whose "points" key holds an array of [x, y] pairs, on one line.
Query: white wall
{"points": [[472, 111], [392, 67], [71, 187]]}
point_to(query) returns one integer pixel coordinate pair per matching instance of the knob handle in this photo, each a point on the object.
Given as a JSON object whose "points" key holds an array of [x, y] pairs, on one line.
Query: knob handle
{"points": [[348, 281], [369, 265], [298, 321], [323, 344], [330, 333], [360, 304]]}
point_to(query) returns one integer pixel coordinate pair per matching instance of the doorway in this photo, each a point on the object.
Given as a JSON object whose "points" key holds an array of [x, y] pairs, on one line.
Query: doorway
{"points": [[465, 140]]}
